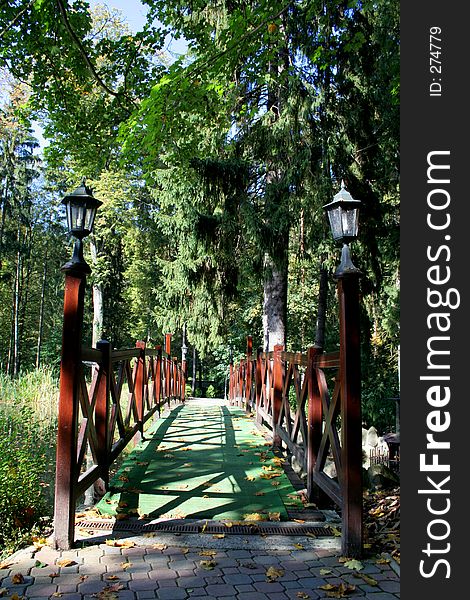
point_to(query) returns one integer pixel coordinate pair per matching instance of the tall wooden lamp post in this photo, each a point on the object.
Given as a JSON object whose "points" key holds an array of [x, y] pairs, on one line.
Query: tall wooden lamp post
{"points": [[81, 209], [343, 213]]}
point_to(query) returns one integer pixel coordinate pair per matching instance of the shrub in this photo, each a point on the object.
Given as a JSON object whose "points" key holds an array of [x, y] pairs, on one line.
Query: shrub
{"points": [[27, 448], [210, 392]]}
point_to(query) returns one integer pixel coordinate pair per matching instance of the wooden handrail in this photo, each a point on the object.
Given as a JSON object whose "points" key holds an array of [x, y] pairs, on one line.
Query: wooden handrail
{"points": [[290, 394]]}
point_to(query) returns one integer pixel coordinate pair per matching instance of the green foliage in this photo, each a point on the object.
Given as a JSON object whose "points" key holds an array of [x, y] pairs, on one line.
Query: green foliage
{"points": [[210, 392], [27, 443]]}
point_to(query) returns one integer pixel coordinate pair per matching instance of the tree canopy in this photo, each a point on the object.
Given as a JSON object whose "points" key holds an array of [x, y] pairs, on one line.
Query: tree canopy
{"points": [[213, 166]]}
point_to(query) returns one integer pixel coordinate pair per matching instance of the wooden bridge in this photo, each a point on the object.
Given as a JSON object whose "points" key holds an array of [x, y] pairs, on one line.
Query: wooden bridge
{"points": [[307, 403]]}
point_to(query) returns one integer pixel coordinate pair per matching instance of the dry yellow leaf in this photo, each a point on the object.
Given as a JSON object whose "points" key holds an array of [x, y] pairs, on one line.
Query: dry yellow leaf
{"points": [[211, 553], [299, 546], [275, 483], [259, 494], [17, 578], [302, 595], [272, 573], [250, 478], [207, 565], [126, 565], [5, 564], [66, 562], [274, 516], [120, 543], [57, 595], [159, 546], [254, 517], [112, 578], [219, 536], [369, 580]]}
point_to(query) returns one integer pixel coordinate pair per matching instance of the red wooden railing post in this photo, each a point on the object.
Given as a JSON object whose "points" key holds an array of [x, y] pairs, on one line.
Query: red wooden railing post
{"points": [[258, 384], [70, 375], [248, 373], [139, 383], [314, 425], [102, 409], [278, 377], [351, 425], [168, 366], [175, 378], [231, 381], [158, 378]]}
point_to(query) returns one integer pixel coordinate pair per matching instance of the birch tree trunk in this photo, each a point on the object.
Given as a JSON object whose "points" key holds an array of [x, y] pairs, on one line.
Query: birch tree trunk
{"points": [[41, 313]]}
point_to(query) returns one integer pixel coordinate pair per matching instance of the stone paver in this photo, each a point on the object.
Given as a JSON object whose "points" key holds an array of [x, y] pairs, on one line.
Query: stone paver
{"points": [[175, 573]]}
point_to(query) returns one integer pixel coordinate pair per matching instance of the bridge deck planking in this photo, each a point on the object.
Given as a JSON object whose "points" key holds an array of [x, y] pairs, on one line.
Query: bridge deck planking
{"points": [[205, 460]]}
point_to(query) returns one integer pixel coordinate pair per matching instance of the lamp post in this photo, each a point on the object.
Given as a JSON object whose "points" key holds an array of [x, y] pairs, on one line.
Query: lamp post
{"points": [[343, 214], [81, 209]]}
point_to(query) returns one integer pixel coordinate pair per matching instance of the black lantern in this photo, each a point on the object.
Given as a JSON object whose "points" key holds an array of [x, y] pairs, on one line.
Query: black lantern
{"points": [[343, 215], [81, 208]]}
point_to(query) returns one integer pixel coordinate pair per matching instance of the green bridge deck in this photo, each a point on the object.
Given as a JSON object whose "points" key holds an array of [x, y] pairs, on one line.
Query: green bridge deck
{"points": [[205, 460]]}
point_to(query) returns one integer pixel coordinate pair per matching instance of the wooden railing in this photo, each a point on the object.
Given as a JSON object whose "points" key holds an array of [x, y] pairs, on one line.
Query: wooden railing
{"points": [[105, 400], [312, 417]]}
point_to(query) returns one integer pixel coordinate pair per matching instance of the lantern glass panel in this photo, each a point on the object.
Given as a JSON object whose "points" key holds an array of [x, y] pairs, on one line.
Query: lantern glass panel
{"points": [[334, 216], [350, 221], [77, 217], [90, 218]]}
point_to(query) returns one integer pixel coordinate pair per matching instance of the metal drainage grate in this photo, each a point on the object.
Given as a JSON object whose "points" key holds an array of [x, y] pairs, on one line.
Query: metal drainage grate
{"points": [[137, 527]]}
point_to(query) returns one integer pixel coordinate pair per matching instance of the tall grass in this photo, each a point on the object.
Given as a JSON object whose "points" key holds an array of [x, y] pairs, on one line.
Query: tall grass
{"points": [[28, 425]]}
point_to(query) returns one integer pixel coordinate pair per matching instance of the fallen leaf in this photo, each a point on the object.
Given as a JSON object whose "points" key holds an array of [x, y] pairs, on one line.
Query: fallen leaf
{"points": [[325, 571], [15, 597], [17, 578], [354, 565], [122, 517], [369, 580], [382, 561], [120, 543], [228, 524], [269, 475], [5, 565], [123, 478], [219, 536], [299, 546], [57, 595], [39, 542], [275, 483], [142, 464], [207, 565], [159, 546], [112, 578], [338, 590], [272, 573], [126, 565], [254, 517], [274, 516], [298, 521], [3, 591], [259, 494], [40, 565], [211, 553], [185, 550], [302, 595], [250, 478]]}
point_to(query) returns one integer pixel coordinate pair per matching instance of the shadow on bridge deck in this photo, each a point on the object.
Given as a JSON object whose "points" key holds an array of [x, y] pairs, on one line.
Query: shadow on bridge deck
{"points": [[205, 460]]}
